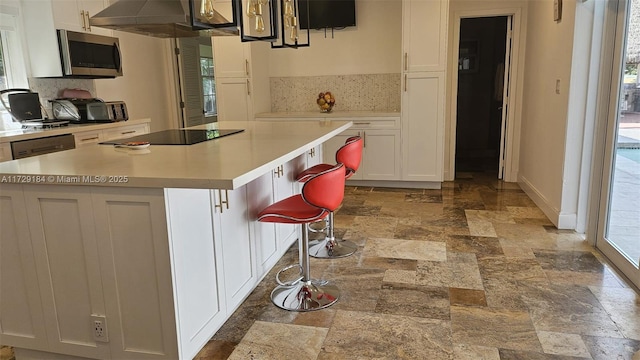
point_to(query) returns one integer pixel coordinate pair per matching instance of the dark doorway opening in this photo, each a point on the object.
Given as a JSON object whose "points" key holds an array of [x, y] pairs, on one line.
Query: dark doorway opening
{"points": [[481, 72]]}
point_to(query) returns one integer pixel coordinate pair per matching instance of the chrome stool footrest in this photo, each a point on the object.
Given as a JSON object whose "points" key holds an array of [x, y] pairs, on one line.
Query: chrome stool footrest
{"points": [[305, 296], [292, 282]]}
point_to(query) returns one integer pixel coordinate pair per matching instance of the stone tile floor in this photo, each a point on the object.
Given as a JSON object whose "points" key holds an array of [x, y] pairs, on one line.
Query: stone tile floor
{"points": [[472, 271]]}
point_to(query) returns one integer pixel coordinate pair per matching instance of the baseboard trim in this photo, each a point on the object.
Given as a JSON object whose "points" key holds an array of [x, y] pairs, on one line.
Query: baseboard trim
{"points": [[561, 221], [397, 184]]}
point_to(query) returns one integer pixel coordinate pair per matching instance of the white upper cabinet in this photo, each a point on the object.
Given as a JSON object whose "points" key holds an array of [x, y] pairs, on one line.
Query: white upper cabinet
{"points": [[424, 30], [231, 57], [74, 15]]}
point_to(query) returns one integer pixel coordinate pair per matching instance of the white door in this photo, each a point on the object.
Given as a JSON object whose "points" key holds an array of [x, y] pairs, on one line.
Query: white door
{"points": [[191, 98], [505, 99], [618, 230]]}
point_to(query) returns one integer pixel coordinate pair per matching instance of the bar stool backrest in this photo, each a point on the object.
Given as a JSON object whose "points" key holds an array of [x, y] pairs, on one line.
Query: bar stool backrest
{"points": [[326, 189], [350, 154]]}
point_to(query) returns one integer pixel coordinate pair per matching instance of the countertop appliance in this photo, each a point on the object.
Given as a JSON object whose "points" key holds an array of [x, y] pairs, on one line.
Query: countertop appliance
{"points": [[91, 110], [89, 56], [44, 145], [177, 137]]}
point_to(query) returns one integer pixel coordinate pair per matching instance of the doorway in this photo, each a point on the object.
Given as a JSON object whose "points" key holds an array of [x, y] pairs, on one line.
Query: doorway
{"points": [[482, 51], [618, 225]]}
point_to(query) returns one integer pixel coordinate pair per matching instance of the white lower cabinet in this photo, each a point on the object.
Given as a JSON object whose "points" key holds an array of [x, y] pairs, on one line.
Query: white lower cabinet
{"points": [[380, 155], [423, 127], [126, 131], [5, 152], [162, 269], [234, 99], [87, 137]]}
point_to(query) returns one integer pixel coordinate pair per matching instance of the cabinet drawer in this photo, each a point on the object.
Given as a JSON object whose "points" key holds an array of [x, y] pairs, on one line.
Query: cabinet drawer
{"points": [[5, 152], [125, 132], [374, 123], [87, 137]]}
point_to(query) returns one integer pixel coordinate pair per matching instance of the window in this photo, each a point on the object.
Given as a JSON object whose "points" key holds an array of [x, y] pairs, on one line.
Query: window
{"points": [[208, 86], [12, 62]]}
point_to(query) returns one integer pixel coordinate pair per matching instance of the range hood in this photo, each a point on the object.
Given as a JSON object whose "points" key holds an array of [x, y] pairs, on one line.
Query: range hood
{"points": [[165, 18]]}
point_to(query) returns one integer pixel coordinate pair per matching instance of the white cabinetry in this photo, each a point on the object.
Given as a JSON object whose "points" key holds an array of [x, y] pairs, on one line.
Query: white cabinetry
{"points": [[5, 152], [424, 40], [423, 127], [74, 15], [124, 132], [424, 64], [87, 137], [242, 78], [231, 234], [381, 148]]}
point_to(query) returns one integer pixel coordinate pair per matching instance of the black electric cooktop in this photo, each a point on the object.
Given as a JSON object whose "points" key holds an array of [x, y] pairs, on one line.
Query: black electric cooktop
{"points": [[177, 137]]}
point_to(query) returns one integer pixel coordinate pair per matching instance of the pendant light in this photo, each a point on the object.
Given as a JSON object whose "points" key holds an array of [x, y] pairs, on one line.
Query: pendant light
{"points": [[257, 20], [290, 35]]}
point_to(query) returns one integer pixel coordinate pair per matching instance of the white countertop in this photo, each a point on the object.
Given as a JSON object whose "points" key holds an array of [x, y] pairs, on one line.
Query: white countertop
{"points": [[25, 134], [336, 114], [225, 163]]}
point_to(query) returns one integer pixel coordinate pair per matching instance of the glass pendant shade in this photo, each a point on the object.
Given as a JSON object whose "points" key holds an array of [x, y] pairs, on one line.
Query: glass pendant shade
{"points": [[289, 33]]}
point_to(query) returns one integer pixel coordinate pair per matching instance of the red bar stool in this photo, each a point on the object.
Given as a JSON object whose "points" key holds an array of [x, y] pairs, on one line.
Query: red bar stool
{"points": [[350, 154], [320, 196]]}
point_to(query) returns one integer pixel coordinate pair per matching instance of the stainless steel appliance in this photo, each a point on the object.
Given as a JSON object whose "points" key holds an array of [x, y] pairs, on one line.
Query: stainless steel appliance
{"points": [[167, 18], [89, 55], [177, 137], [39, 146], [92, 110]]}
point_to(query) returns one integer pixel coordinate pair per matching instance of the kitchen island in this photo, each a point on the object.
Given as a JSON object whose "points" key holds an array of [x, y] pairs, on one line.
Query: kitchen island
{"points": [[143, 254]]}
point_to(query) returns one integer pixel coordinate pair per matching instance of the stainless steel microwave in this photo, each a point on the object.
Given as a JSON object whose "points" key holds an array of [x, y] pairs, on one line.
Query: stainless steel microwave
{"points": [[89, 55]]}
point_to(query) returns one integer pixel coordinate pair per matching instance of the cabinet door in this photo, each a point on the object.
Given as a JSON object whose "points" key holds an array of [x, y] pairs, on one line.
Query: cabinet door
{"points": [[231, 57], [314, 156], [74, 15], [200, 306], [231, 231], [234, 99], [21, 310], [285, 185], [5, 152], [63, 235], [423, 127], [424, 40], [381, 155], [260, 193], [131, 227]]}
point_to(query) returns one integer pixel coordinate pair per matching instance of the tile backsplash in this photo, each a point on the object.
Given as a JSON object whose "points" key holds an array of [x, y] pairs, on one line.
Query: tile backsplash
{"points": [[362, 92], [49, 88]]}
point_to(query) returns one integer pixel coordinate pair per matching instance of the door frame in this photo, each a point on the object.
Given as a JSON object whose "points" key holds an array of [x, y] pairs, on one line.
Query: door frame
{"points": [[615, 22], [514, 100]]}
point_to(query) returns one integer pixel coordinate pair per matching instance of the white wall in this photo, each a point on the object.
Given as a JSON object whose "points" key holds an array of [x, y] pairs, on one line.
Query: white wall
{"points": [[372, 47], [147, 83], [544, 116]]}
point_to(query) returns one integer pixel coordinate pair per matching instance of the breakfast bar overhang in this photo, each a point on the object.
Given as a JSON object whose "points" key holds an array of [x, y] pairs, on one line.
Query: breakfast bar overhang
{"points": [[158, 246]]}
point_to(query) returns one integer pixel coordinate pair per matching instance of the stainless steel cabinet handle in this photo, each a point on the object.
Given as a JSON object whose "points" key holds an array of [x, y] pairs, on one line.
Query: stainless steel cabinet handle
{"points": [[362, 123], [84, 21], [406, 61], [248, 87], [405, 82], [89, 139], [246, 67], [88, 23], [222, 202], [364, 139], [128, 132]]}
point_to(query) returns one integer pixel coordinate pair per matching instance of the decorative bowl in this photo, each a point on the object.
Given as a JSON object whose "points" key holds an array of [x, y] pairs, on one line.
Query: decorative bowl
{"points": [[326, 101]]}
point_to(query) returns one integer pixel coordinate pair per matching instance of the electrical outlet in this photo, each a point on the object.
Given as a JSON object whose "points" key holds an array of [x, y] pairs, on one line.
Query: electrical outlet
{"points": [[99, 326]]}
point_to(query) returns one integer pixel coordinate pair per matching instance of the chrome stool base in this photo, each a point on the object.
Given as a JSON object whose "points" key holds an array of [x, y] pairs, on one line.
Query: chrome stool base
{"points": [[331, 249], [305, 296]]}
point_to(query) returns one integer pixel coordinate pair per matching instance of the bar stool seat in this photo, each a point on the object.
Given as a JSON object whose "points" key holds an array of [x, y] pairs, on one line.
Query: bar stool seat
{"points": [[320, 196], [350, 154]]}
